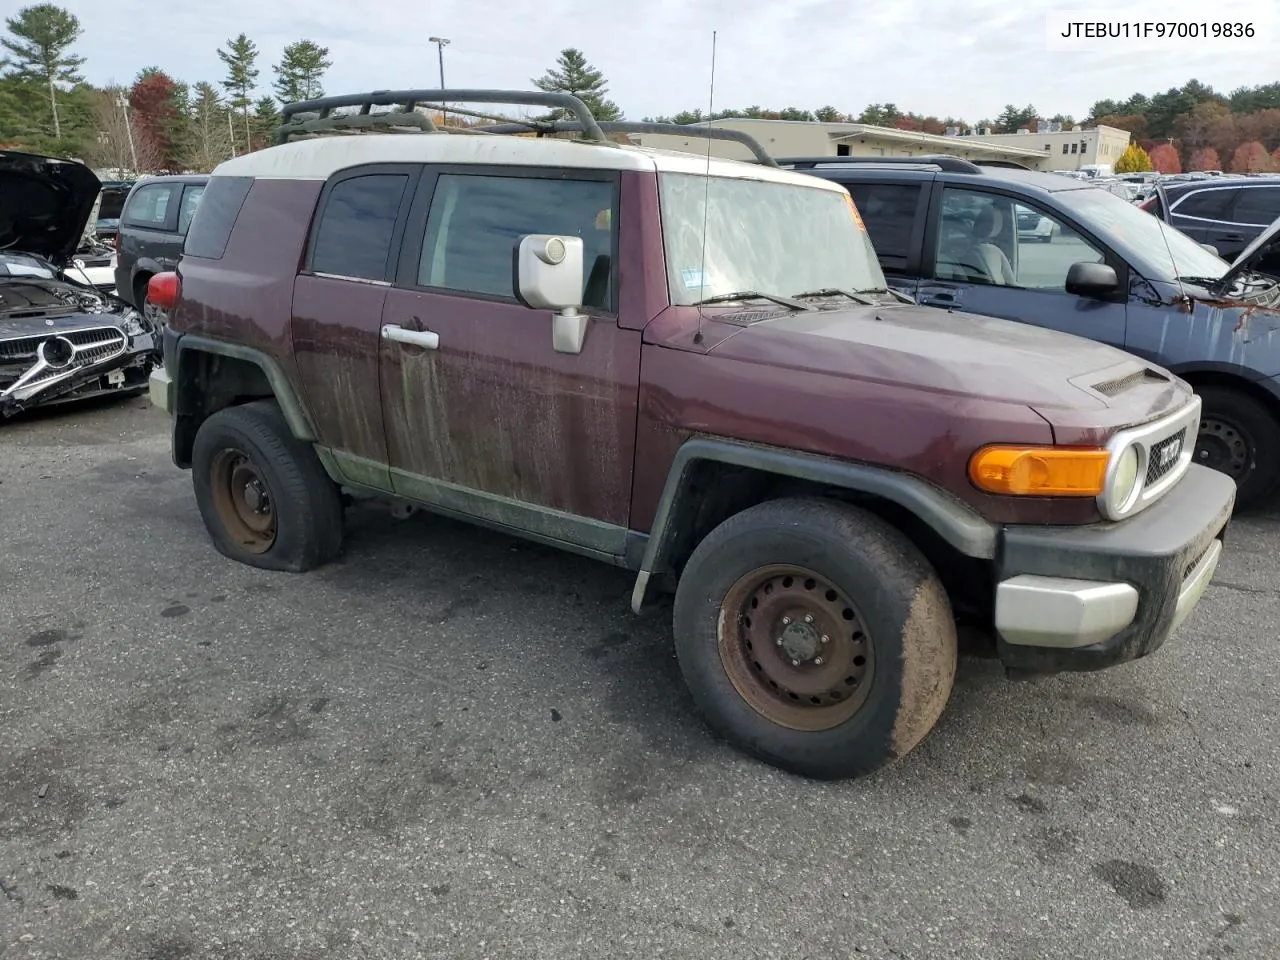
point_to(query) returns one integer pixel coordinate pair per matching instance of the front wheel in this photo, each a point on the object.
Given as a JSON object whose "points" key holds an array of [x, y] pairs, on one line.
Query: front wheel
{"points": [[1241, 438], [815, 636], [263, 494]]}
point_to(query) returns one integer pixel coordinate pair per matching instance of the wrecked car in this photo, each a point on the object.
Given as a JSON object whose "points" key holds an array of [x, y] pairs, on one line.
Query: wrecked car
{"points": [[60, 338]]}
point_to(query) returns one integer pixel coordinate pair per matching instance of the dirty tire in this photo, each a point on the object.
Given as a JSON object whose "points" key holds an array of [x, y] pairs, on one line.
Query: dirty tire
{"points": [[899, 601], [1241, 438], [306, 507], [140, 290]]}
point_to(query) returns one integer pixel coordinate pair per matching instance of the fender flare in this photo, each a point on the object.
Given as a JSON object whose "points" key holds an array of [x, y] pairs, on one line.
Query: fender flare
{"points": [[954, 521]]}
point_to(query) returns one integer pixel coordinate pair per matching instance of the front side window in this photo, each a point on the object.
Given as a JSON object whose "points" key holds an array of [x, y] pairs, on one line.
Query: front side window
{"points": [[728, 235], [476, 223], [353, 237], [149, 207], [1257, 206], [996, 241]]}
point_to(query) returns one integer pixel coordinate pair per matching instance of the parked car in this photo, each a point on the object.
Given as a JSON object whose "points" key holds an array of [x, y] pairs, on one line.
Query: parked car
{"points": [[60, 339], [153, 226], [114, 193], [691, 368], [1227, 213], [942, 231]]}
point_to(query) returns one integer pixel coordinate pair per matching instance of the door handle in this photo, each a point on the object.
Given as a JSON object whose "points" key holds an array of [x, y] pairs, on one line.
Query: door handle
{"points": [[1232, 237], [940, 300], [426, 339]]}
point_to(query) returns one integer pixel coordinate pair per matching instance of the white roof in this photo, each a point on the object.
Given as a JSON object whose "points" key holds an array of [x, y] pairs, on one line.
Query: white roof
{"points": [[318, 159]]}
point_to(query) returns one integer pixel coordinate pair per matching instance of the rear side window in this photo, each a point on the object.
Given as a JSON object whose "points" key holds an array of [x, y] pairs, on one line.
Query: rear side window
{"points": [[150, 206], [215, 216], [1207, 205], [190, 200], [1258, 206], [889, 211], [354, 234]]}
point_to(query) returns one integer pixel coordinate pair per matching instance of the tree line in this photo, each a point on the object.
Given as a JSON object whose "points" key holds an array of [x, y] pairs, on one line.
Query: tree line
{"points": [[158, 123]]}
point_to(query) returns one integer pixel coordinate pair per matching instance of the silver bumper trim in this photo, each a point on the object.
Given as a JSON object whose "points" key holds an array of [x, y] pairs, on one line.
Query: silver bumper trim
{"points": [[1059, 612], [1195, 584], [160, 389]]}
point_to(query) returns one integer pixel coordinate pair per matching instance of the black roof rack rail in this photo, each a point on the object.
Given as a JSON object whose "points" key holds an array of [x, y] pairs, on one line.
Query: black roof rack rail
{"points": [[291, 123], [629, 126], [941, 161], [1003, 164]]}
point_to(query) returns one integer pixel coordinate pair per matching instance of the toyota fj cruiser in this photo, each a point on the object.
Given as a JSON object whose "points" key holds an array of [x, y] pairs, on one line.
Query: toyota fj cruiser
{"points": [[690, 368]]}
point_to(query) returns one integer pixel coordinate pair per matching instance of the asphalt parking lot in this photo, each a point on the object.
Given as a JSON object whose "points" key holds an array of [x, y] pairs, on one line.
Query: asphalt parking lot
{"points": [[453, 744]]}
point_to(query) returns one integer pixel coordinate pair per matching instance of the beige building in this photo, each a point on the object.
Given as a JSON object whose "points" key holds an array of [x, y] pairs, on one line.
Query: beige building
{"points": [[1062, 150], [1067, 149]]}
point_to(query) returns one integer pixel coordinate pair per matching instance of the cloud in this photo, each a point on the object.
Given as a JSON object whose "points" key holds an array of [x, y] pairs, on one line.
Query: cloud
{"points": [[966, 59]]}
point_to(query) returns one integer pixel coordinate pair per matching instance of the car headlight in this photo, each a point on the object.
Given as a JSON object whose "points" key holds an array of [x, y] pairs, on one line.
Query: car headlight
{"points": [[1124, 480], [133, 325]]}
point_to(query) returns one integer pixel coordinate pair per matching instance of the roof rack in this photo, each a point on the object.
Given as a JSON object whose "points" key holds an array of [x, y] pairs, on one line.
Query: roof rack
{"points": [[941, 161], [626, 126], [406, 118], [1004, 164]]}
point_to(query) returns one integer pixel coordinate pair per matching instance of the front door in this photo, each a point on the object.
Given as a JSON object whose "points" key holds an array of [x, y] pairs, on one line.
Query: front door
{"points": [[487, 419], [1002, 256]]}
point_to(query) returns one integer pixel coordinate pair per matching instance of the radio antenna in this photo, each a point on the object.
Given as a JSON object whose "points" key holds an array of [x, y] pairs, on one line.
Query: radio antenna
{"points": [[706, 194]]}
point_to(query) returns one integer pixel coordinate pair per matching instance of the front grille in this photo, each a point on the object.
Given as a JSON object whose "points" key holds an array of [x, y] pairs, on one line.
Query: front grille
{"points": [[88, 348], [23, 348], [1163, 456]]}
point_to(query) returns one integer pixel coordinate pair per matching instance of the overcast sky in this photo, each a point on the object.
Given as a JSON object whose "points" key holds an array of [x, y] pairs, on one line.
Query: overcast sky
{"points": [[967, 58]]}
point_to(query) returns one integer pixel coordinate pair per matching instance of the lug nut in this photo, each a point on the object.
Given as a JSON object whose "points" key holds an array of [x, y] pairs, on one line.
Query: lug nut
{"points": [[785, 621], [825, 638], [778, 641], [795, 663], [818, 661], [808, 618]]}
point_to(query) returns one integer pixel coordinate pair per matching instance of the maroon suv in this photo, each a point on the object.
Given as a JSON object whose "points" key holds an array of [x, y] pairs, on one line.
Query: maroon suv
{"points": [[690, 368]]}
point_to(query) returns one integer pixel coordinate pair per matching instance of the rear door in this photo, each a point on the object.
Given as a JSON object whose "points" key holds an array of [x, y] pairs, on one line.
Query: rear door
{"points": [[148, 224], [978, 260], [1207, 215], [491, 421], [894, 210], [1256, 209]]}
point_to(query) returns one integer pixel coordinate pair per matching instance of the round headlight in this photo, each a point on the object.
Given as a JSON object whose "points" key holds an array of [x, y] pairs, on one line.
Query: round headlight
{"points": [[1124, 481]]}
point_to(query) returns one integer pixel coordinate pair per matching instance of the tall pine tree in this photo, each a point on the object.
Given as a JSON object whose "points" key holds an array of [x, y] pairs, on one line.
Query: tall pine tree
{"points": [[299, 71], [241, 58], [573, 74], [41, 39]]}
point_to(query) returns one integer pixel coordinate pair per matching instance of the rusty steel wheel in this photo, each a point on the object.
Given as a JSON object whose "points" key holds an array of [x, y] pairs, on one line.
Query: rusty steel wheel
{"points": [[243, 500], [795, 648]]}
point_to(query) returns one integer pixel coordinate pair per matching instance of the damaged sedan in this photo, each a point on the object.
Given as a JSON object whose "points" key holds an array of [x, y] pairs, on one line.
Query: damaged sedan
{"points": [[60, 338]]}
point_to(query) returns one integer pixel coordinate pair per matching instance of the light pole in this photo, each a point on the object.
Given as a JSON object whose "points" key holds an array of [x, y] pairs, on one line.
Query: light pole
{"points": [[441, 43], [123, 103]]}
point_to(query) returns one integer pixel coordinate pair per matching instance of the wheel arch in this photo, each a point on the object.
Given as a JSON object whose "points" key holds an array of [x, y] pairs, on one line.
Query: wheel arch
{"points": [[1265, 390], [711, 479], [212, 374]]}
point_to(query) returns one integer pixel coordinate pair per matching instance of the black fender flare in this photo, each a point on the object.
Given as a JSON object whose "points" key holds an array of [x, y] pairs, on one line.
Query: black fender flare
{"points": [[954, 521]]}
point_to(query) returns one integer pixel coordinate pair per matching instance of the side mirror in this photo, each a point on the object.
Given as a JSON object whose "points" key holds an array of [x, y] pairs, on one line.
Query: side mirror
{"points": [[1092, 280], [1211, 249], [549, 277]]}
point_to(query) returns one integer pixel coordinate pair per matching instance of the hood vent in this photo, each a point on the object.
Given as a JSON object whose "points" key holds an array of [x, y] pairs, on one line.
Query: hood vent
{"points": [[1118, 385]]}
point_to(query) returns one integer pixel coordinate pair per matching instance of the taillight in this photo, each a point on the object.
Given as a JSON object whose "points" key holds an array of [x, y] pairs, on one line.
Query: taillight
{"points": [[1148, 204], [163, 290], [115, 240]]}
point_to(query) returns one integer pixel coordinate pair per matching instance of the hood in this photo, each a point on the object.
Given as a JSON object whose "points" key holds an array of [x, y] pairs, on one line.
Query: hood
{"points": [[45, 204], [1263, 244], [1066, 379]]}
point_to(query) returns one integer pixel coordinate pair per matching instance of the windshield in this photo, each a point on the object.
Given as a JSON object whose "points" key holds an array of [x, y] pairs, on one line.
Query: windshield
{"points": [[25, 265], [770, 238], [1142, 236]]}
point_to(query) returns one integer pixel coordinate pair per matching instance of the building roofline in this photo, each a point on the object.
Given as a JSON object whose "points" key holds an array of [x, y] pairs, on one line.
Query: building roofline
{"points": [[932, 139]]}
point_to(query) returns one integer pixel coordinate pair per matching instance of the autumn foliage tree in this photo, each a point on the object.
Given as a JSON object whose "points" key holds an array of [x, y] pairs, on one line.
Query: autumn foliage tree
{"points": [[1133, 160], [1165, 159], [153, 99], [1251, 157], [1205, 158]]}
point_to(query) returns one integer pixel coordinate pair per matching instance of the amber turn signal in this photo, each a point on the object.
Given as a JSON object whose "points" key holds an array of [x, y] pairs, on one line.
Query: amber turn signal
{"points": [[1040, 471]]}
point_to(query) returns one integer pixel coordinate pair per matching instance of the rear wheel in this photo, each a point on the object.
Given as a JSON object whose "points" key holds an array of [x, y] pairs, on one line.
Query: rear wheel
{"points": [[1239, 437], [263, 494], [815, 636]]}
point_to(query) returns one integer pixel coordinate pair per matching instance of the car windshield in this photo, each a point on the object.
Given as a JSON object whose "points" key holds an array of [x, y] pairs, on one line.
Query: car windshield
{"points": [[1141, 236], [762, 237], [25, 265]]}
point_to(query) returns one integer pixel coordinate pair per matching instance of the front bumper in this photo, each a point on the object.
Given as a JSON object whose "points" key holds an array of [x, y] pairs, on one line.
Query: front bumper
{"points": [[1085, 598]]}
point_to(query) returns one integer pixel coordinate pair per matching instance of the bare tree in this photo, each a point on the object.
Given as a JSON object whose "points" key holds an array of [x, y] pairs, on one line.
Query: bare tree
{"points": [[116, 127]]}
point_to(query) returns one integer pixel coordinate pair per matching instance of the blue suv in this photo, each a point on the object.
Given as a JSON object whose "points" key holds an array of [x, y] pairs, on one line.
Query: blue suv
{"points": [[1040, 248]]}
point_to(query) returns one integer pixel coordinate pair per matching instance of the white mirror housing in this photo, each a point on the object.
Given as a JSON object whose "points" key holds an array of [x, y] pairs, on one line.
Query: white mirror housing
{"points": [[549, 272]]}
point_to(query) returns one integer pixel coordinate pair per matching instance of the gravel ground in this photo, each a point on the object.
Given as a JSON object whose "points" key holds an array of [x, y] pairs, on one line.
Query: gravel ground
{"points": [[453, 744]]}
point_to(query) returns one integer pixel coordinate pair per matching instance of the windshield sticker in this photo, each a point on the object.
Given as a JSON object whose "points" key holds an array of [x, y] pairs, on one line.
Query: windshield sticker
{"points": [[693, 278]]}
